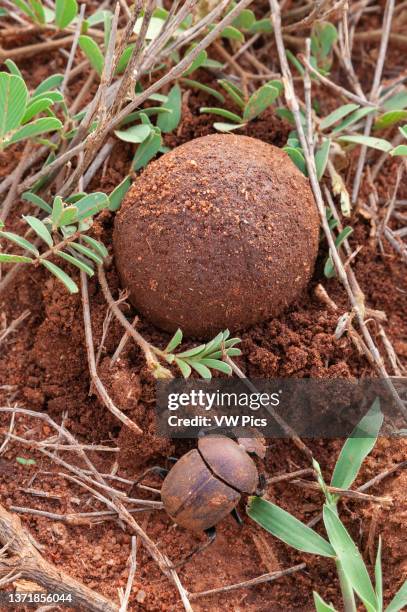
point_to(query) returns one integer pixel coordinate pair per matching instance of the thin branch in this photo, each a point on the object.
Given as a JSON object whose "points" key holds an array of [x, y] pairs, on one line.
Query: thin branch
{"points": [[132, 573], [100, 388]]}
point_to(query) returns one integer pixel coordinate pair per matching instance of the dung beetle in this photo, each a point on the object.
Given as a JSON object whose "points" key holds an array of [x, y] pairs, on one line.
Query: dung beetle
{"points": [[206, 484]]}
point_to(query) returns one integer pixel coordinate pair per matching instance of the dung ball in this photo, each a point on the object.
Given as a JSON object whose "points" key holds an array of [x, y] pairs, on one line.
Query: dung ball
{"points": [[221, 232]]}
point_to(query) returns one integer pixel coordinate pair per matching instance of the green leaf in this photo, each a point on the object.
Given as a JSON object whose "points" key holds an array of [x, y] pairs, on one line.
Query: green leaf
{"points": [[92, 52], [39, 126], [65, 12], [96, 246], [324, 35], [399, 601], [184, 367], [287, 528], [262, 26], [193, 352], [295, 62], [147, 150], [118, 193], [38, 10], [124, 59], [76, 262], [202, 370], [87, 252], [234, 92], [298, 158], [23, 461], [51, 82], [91, 204], [217, 364], [399, 100], [209, 90], [197, 63], [320, 605], [135, 134], [337, 114], [13, 68], [33, 108], [25, 8], [390, 118], [169, 122], [349, 557], [379, 576], [400, 150], [40, 229], [154, 27], [368, 141], [353, 118], [357, 447], [227, 127], [321, 158], [20, 241], [232, 33], [61, 275], [212, 110], [13, 100], [245, 20], [174, 342], [259, 101], [37, 201], [69, 216], [329, 269], [7, 258]]}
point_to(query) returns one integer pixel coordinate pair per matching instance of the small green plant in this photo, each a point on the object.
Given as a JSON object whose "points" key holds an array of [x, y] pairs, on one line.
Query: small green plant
{"points": [[353, 574], [19, 111], [64, 14], [202, 358], [63, 234], [261, 99]]}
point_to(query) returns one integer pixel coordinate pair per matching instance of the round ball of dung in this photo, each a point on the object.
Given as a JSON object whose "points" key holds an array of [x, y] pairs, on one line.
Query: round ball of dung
{"points": [[221, 232]]}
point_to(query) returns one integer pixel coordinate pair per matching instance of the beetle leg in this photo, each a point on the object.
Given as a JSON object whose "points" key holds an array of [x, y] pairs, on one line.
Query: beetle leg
{"points": [[261, 489], [156, 468], [211, 533], [237, 516]]}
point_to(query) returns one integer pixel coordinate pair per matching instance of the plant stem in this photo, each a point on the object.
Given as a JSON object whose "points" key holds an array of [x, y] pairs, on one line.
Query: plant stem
{"points": [[348, 597]]}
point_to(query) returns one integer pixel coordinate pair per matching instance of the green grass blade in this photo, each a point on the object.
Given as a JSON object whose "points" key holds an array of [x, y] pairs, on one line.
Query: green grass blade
{"points": [[320, 605], [350, 558], [287, 528], [337, 114], [368, 141], [174, 342], [222, 112], [97, 246], [118, 194], [357, 447], [87, 252], [399, 601], [379, 576], [76, 262]]}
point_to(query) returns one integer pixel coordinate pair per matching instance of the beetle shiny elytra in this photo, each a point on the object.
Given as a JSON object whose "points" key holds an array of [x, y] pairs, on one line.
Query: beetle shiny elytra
{"points": [[206, 484]]}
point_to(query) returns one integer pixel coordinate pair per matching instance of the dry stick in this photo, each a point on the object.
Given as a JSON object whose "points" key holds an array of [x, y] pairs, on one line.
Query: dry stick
{"points": [[387, 19], [132, 573], [375, 35], [73, 48], [17, 174], [249, 583], [79, 518], [289, 476], [336, 88], [357, 495], [367, 485], [316, 188], [100, 388], [123, 513], [25, 559], [13, 325], [122, 343], [8, 434], [145, 346], [31, 50]]}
